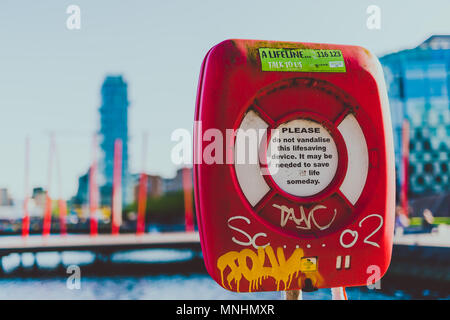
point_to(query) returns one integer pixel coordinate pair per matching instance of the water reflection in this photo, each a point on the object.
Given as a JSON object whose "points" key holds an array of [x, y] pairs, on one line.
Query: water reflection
{"points": [[178, 274]]}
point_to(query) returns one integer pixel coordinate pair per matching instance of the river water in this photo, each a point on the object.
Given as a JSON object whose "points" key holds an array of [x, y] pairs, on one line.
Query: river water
{"points": [[111, 281]]}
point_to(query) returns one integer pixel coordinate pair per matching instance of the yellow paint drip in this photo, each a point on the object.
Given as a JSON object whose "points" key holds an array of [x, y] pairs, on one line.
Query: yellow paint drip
{"points": [[250, 265]]}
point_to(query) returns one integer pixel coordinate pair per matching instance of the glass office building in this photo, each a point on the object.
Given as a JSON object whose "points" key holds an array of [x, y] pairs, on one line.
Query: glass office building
{"points": [[418, 84], [113, 125]]}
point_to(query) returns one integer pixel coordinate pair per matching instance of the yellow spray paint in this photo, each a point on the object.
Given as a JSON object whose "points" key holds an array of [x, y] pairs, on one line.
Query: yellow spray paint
{"points": [[280, 269]]}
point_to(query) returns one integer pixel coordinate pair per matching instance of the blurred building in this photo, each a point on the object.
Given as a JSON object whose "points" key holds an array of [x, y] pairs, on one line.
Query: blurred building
{"points": [[158, 186], [82, 195], [39, 195], [418, 84], [113, 125], [5, 198], [173, 184], [154, 186]]}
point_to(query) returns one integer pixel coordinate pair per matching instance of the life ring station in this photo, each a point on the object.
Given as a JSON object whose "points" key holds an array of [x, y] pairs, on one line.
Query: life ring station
{"points": [[308, 199]]}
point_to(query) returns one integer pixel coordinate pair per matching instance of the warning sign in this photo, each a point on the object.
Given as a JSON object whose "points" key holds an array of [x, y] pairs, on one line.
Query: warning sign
{"points": [[302, 157]]}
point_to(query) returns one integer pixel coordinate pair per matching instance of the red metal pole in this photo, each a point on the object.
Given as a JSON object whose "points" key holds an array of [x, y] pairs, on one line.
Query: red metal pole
{"points": [[142, 204], [26, 219], [142, 192], [93, 191], [47, 216], [62, 205], [26, 214], [405, 167], [48, 201], [188, 209], [62, 216], [116, 211]]}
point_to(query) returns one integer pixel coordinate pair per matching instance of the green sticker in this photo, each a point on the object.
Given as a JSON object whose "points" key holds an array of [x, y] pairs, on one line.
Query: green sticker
{"points": [[301, 60]]}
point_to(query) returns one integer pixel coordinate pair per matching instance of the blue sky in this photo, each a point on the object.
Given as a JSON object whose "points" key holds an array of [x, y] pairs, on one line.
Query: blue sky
{"points": [[51, 76]]}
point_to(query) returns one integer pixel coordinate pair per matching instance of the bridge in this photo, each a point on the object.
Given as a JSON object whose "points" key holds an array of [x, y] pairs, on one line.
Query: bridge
{"points": [[102, 245], [109, 243]]}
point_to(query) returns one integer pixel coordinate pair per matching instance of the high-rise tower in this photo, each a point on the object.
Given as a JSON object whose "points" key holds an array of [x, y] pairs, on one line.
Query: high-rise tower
{"points": [[113, 125]]}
